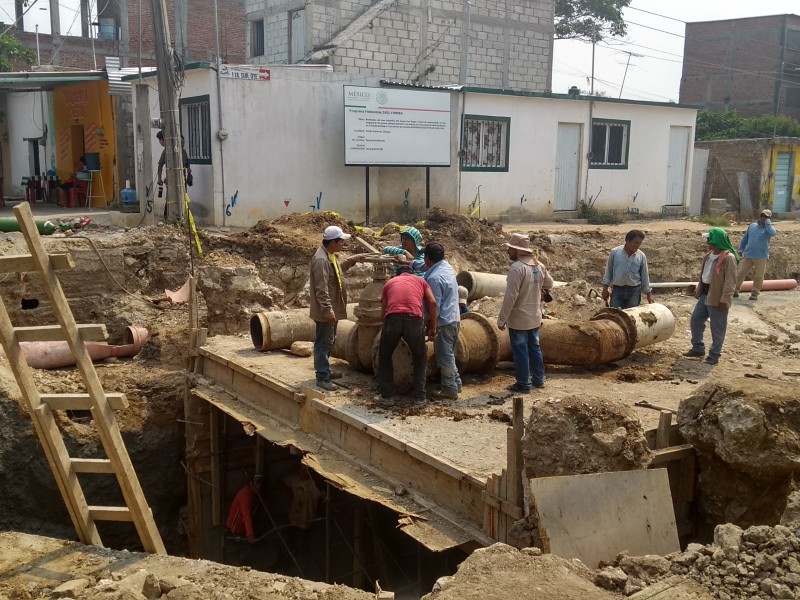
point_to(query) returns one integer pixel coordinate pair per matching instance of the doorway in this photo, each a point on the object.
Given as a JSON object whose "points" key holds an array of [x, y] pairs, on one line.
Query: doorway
{"points": [[676, 165], [783, 182], [568, 152]]}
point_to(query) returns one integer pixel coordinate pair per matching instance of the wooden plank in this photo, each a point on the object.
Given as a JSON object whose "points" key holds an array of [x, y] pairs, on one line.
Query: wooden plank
{"points": [[110, 513], [496, 513], [54, 333], [92, 465], [81, 401], [515, 512], [662, 432], [594, 517], [674, 453], [23, 263], [216, 469], [104, 420], [503, 518], [518, 425]]}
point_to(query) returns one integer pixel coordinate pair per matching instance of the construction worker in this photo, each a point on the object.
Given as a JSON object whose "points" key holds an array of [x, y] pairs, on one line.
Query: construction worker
{"points": [[627, 273], [239, 523], [754, 249], [410, 246]]}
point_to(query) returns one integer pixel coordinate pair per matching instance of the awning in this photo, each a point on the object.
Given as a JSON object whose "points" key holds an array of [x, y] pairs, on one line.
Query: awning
{"points": [[418, 517], [44, 80]]}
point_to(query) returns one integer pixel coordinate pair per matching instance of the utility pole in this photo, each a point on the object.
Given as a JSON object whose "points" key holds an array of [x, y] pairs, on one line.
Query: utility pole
{"points": [[628, 64], [168, 100]]}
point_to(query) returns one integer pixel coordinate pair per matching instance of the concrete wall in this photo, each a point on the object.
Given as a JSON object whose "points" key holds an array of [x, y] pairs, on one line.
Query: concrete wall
{"points": [[527, 189], [482, 43], [24, 119]]}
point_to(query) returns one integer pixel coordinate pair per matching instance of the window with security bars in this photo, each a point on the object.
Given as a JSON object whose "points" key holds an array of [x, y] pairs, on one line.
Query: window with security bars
{"points": [[257, 38], [196, 127], [609, 144], [485, 143]]}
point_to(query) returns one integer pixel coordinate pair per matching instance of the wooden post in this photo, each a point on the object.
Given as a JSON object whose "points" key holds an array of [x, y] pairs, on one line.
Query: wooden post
{"points": [[216, 479], [662, 433]]}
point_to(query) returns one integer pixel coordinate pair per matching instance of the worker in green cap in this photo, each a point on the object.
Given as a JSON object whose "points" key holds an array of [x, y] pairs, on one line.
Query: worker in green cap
{"points": [[411, 247], [714, 293]]}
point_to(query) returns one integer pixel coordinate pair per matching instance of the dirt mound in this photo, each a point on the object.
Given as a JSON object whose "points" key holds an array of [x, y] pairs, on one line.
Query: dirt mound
{"points": [[501, 572], [575, 435], [748, 442]]}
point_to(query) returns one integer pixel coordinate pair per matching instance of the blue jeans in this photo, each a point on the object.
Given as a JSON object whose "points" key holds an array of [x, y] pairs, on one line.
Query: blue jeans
{"points": [[719, 325], [626, 297], [528, 362], [323, 342], [444, 347]]}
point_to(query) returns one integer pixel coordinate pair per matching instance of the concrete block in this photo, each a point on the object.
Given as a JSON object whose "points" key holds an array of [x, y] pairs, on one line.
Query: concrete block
{"points": [[70, 589]]}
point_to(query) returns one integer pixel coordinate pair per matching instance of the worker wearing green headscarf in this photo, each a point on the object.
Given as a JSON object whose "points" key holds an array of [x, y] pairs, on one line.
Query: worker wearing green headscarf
{"points": [[714, 293]]}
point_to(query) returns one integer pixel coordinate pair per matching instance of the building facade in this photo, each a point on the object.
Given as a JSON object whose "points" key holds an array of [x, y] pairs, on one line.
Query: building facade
{"points": [[514, 156], [484, 43], [751, 65]]}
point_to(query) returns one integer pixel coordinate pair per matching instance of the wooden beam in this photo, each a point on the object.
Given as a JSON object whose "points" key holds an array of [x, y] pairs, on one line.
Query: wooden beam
{"points": [[54, 333], [24, 263], [92, 465], [110, 513], [662, 432], [674, 453], [81, 401], [216, 468]]}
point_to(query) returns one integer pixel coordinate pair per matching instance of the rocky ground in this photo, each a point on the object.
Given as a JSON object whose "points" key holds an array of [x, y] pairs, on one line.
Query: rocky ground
{"points": [[120, 280]]}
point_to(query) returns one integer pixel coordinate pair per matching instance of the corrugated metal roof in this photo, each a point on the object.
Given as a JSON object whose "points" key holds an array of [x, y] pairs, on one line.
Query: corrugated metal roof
{"points": [[119, 79], [422, 86]]}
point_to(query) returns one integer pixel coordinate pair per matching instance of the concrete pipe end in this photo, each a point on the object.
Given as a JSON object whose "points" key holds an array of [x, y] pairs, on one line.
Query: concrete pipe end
{"points": [[259, 326], [466, 279]]}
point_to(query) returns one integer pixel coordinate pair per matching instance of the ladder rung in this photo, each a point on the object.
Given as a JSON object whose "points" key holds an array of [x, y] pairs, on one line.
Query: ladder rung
{"points": [[110, 513], [81, 401], [92, 465], [23, 263], [54, 333]]}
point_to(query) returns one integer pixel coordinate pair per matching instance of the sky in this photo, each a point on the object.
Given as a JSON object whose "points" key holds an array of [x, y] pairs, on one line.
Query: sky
{"points": [[644, 65], [654, 44]]}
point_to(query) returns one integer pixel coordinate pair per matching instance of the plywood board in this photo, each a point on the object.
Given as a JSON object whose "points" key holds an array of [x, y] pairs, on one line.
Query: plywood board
{"points": [[594, 517]]}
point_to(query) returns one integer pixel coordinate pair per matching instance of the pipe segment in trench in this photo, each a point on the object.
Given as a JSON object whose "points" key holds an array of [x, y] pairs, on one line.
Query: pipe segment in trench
{"points": [[610, 335]]}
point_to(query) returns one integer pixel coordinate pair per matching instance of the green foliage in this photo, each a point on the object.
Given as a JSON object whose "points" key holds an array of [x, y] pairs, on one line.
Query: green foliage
{"points": [[14, 54], [712, 125], [595, 216], [590, 20], [714, 220]]}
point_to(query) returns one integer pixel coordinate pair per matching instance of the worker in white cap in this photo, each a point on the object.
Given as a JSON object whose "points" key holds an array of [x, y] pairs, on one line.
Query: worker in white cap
{"points": [[328, 299], [463, 293], [754, 249]]}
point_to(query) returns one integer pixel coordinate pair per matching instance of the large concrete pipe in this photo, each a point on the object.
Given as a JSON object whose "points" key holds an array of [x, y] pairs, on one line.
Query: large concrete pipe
{"points": [[481, 284], [275, 330], [610, 335]]}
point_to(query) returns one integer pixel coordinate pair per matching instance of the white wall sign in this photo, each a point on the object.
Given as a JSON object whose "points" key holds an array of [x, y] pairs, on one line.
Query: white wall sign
{"points": [[391, 127], [249, 74]]}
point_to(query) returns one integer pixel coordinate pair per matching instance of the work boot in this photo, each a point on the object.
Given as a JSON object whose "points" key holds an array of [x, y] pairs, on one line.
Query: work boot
{"points": [[735, 294], [694, 354], [326, 384], [711, 360], [443, 394], [335, 375], [753, 297], [384, 401], [518, 389]]}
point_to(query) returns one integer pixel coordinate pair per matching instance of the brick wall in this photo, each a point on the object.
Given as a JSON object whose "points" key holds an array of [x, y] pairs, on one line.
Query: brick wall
{"points": [[423, 41], [729, 157], [737, 63]]}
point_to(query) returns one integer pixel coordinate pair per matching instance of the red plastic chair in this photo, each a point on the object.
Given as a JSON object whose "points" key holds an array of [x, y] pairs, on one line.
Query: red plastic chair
{"points": [[77, 193]]}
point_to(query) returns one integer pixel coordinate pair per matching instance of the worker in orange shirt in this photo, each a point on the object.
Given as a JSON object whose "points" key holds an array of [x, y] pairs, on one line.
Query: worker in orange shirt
{"points": [[240, 517]]}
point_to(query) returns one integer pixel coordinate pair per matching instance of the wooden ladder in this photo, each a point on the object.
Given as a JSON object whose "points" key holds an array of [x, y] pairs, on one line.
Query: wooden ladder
{"points": [[102, 405]]}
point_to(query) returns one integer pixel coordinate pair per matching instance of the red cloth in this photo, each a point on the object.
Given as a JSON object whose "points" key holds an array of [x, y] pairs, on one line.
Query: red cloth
{"points": [[404, 295], [240, 517]]}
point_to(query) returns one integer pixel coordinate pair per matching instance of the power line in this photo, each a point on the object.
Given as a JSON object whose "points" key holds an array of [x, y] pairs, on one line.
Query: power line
{"points": [[654, 14]]}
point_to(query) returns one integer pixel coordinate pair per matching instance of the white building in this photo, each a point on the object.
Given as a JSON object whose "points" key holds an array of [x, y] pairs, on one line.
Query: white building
{"points": [[529, 153]]}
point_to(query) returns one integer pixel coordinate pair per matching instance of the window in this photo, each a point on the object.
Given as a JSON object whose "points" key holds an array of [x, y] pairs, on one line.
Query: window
{"points": [[297, 35], [484, 146], [196, 127], [793, 39], [609, 144], [257, 38]]}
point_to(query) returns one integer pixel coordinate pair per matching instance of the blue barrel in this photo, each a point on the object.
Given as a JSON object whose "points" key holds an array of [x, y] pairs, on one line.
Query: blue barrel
{"points": [[130, 203]]}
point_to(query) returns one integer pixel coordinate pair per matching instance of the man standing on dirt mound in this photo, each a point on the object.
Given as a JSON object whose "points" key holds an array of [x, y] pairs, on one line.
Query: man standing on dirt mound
{"points": [[442, 279], [328, 299], [754, 249], [627, 274], [521, 312]]}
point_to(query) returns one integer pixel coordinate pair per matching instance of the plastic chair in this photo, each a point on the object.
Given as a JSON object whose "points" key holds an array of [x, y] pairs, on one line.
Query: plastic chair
{"points": [[78, 193]]}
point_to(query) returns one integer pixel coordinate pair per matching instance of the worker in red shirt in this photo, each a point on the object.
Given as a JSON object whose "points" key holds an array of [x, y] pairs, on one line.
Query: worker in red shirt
{"points": [[240, 518], [403, 302]]}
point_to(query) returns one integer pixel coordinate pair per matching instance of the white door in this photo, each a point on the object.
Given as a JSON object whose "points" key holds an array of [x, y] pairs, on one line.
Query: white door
{"points": [[568, 163], [676, 165], [783, 182]]}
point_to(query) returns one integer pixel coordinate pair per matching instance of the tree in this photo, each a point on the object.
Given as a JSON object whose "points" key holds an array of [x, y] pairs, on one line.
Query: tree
{"points": [[714, 125], [590, 20], [14, 54]]}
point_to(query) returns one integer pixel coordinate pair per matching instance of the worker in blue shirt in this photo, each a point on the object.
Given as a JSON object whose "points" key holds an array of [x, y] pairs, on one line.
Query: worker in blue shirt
{"points": [[442, 279], [627, 274], [754, 249]]}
